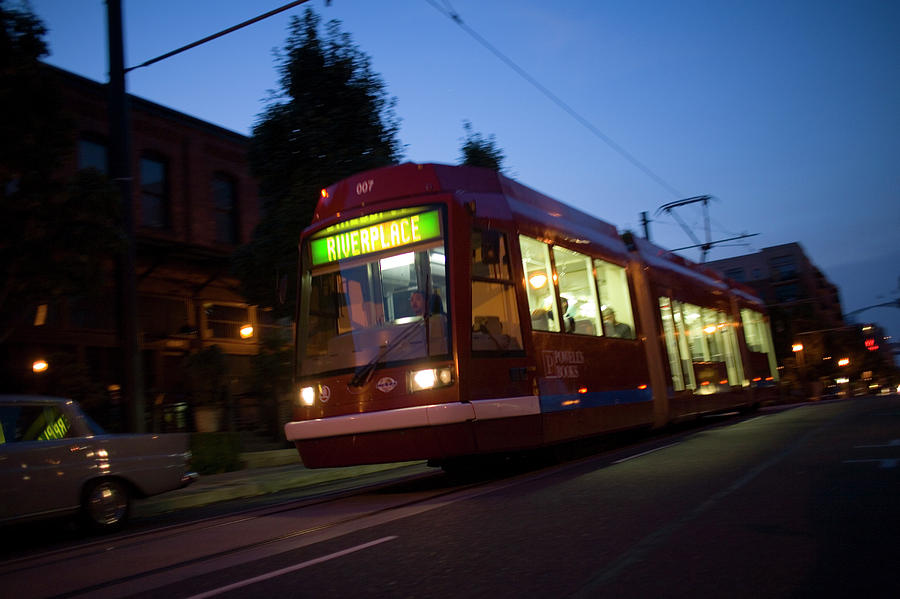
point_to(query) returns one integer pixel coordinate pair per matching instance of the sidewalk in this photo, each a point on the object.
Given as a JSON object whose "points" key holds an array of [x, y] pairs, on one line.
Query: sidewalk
{"points": [[265, 472]]}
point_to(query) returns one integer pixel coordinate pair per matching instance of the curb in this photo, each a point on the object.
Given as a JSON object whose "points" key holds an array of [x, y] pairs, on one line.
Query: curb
{"points": [[247, 483], [274, 457]]}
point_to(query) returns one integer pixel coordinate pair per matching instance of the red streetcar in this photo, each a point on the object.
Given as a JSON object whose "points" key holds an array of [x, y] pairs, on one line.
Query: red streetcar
{"points": [[449, 311]]}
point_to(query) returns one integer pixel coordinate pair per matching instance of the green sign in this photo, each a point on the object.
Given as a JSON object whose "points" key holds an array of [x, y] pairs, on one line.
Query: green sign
{"points": [[382, 236]]}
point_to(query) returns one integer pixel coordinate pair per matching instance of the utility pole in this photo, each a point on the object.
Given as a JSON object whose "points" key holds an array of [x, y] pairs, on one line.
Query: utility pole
{"points": [[120, 170], [645, 222]]}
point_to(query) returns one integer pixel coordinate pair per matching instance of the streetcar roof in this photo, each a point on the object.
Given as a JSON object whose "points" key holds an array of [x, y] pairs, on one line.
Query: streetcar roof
{"points": [[496, 195], [493, 193]]}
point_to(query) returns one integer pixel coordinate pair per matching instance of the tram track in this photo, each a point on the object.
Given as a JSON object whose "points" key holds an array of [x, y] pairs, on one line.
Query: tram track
{"points": [[332, 513], [101, 545], [157, 557]]}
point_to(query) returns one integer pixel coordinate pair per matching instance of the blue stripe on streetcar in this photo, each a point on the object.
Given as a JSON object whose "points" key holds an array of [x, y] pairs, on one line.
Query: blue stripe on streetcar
{"points": [[593, 399]]}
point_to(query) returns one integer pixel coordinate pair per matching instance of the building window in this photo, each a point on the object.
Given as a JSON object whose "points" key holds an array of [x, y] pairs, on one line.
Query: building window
{"points": [[154, 193], [735, 273], [225, 207], [93, 154], [161, 317], [93, 312], [783, 267], [225, 321], [787, 293]]}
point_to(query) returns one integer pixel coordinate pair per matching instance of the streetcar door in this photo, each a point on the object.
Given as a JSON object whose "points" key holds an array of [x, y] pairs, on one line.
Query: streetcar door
{"points": [[498, 371]]}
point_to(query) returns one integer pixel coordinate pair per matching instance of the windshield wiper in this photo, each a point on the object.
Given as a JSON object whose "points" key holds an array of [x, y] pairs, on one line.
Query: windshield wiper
{"points": [[362, 375]]}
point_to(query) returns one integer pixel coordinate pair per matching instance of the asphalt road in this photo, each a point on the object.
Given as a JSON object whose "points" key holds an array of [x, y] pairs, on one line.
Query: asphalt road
{"points": [[793, 503]]}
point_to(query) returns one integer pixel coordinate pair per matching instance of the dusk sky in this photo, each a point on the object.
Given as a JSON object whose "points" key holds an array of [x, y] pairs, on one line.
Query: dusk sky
{"points": [[786, 111]]}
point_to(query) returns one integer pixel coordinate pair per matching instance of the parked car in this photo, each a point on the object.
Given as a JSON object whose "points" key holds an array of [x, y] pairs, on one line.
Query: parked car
{"points": [[55, 461]]}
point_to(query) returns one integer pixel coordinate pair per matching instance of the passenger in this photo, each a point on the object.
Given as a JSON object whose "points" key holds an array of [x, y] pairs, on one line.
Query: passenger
{"points": [[417, 303], [567, 319], [613, 327]]}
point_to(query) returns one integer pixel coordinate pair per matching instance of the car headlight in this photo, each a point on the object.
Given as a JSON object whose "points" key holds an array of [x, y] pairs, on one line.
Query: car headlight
{"points": [[430, 378]]}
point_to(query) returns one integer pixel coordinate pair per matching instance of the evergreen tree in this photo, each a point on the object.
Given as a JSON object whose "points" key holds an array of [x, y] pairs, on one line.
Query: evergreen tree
{"points": [[331, 118], [480, 151], [56, 234]]}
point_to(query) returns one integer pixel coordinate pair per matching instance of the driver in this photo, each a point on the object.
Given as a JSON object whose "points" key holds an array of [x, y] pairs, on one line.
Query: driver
{"points": [[417, 303]]}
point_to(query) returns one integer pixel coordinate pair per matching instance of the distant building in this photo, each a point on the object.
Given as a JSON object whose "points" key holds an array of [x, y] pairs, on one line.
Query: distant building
{"points": [[195, 201], [799, 297], [808, 327]]}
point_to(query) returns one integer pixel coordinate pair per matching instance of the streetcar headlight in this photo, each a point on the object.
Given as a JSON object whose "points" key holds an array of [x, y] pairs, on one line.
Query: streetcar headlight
{"points": [[424, 379], [430, 378], [307, 396]]}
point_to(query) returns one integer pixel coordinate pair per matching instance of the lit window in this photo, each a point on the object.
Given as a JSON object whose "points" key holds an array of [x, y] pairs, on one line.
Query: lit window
{"points": [[615, 300], [541, 297], [581, 313], [495, 319]]}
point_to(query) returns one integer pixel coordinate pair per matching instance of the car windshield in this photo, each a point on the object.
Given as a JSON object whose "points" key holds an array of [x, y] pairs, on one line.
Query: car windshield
{"points": [[372, 309]]}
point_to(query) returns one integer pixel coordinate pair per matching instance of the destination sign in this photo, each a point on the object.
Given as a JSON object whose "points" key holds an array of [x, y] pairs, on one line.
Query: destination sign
{"points": [[382, 236]]}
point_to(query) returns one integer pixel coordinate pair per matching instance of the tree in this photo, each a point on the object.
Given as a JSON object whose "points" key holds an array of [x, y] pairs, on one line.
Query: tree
{"points": [[58, 235], [480, 151], [332, 118]]}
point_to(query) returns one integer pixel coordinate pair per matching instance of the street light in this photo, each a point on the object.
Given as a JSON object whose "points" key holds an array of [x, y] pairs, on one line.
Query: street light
{"points": [[39, 366]]}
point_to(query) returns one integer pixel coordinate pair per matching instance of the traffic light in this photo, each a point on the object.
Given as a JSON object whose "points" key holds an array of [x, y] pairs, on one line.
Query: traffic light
{"points": [[871, 345]]}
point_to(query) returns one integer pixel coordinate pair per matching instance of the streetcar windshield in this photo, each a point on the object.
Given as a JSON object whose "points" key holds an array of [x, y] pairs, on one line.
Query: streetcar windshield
{"points": [[376, 291]]}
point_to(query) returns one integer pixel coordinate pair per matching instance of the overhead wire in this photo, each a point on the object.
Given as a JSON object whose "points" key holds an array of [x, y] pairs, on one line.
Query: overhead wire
{"points": [[214, 36], [448, 11]]}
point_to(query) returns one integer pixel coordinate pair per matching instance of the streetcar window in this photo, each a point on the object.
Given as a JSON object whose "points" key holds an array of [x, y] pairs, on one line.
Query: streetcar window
{"points": [[692, 320], [539, 284], [759, 337], [721, 345], [701, 346], [668, 322], [753, 330], [495, 319], [578, 292], [615, 300], [683, 343], [374, 283]]}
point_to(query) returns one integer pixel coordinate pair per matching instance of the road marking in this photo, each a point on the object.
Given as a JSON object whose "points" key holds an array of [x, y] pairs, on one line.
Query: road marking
{"points": [[883, 462], [294, 568], [637, 455], [891, 443]]}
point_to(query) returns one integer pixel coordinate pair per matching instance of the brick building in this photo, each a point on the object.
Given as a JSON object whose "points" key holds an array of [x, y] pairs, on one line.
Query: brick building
{"points": [[195, 202]]}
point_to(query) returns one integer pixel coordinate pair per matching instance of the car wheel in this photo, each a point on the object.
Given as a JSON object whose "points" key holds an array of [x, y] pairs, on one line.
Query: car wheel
{"points": [[106, 504]]}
